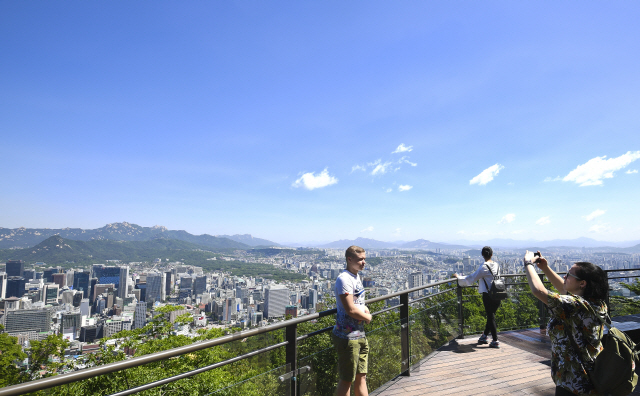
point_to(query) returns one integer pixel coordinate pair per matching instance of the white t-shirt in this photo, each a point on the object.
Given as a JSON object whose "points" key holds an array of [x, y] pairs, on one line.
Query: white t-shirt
{"points": [[481, 275], [347, 327]]}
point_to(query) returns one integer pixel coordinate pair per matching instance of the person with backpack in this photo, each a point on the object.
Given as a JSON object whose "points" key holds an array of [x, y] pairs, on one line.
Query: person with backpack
{"points": [[485, 275], [575, 331]]}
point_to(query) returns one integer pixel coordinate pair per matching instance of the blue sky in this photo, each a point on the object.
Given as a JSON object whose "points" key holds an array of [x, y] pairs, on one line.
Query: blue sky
{"points": [[318, 121]]}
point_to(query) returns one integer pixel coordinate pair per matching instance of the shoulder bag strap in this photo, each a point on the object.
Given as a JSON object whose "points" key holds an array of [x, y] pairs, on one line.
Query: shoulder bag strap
{"points": [[485, 281]]}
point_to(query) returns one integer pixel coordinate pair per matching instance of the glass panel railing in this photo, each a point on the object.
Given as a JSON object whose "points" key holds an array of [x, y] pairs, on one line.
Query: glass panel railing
{"points": [[431, 327], [322, 378], [273, 382]]}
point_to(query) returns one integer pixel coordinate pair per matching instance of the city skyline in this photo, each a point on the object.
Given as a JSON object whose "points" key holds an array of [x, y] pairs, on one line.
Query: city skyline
{"points": [[320, 122]]}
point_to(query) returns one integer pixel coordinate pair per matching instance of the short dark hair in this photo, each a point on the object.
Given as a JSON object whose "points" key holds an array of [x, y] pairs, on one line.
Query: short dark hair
{"points": [[353, 251], [597, 281], [487, 252]]}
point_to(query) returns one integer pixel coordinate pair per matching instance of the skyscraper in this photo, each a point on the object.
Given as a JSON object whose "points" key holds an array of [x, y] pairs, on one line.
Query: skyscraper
{"points": [[15, 286], [123, 282], [3, 285], [200, 285], [15, 268], [81, 282], [276, 298], [156, 286]]}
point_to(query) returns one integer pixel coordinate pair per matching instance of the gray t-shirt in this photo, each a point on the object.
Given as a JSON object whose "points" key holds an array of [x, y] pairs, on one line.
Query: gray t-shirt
{"points": [[347, 327]]}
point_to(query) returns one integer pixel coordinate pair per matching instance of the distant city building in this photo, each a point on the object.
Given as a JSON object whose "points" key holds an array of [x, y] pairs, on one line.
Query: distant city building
{"points": [[29, 274], [123, 282], [81, 281], [15, 286], [170, 281], [200, 285], [48, 274], [156, 286], [140, 315], [291, 310], [24, 320], [60, 279], [3, 285], [276, 298], [368, 282], [15, 268], [50, 293]]}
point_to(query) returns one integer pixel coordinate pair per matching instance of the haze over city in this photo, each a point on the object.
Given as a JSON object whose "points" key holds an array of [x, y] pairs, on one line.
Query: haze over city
{"points": [[314, 122]]}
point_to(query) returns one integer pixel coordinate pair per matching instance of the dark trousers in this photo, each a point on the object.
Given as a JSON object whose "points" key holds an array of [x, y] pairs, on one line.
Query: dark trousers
{"points": [[490, 307]]}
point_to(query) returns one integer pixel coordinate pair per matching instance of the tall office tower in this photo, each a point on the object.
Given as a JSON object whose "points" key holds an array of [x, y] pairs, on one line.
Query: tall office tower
{"points": [[29, 274], [170, 281], [81, 282], [100, 288], [106, 275], [15, 286], [66, 297], [156, 286], [276, 298], [70, 275], [15, 268], [48, 274], [3, 285], [312, 299], [140, 315], [23, 320], [142, 287], [85, 307], [228, 308], [71, 323], [60, 280], [124, 282], [186, 282], [200, 285], [51, 291]]}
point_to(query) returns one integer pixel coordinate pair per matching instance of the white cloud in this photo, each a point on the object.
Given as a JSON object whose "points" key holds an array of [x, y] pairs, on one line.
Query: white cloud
{"points": [[406, 161], [548, 179], [389, 189], [508, 218], [358, 167], [404, 187], [543, 220], [630, 172], [594, 214], [599, 228], [397, 231], [368, 229], [379, 168], [486, 175], [402, 148], [596, 169], [310, 181], [462, 232]]}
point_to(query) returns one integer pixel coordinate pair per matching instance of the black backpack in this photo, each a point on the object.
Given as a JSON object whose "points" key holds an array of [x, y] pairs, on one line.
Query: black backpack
{"points": [[498, 290], [613, 370]]}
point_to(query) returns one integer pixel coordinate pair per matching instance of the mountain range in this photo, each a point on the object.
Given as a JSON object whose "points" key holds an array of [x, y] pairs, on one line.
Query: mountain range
{"points": [[27, 237]]}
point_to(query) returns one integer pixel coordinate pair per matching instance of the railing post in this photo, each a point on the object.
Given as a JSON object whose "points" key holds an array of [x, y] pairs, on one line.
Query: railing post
{"points": [[291, 334], [405, 335], [460, 313]]}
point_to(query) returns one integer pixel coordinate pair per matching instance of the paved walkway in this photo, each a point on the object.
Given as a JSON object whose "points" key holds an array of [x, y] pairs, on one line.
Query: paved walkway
{"points": [[470, 369]]}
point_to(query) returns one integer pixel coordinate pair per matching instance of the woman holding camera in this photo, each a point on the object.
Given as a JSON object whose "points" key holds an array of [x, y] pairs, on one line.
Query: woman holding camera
{"points": [[583, 292]]}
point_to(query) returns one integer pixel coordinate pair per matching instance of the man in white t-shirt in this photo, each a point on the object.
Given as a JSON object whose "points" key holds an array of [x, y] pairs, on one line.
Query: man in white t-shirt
{"points": [[349, 338]]}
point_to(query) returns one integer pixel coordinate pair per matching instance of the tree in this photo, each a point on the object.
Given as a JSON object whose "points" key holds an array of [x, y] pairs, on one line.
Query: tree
{"points": [[10, 353]]}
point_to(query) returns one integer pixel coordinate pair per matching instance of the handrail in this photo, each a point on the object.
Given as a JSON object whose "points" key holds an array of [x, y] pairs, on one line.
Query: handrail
{"points": [[289, 325]]}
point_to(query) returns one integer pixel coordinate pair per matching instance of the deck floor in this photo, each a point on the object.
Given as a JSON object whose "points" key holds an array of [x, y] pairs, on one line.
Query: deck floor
{"points": [[465, 368], [520, 367]]}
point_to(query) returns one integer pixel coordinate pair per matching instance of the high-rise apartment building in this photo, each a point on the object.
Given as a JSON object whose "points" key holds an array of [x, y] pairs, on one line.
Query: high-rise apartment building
{"points": [[276, 298], [15, 268]]}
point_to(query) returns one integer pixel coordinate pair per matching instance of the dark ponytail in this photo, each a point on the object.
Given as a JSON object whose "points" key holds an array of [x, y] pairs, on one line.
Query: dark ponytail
{"points": [[597, 281]]}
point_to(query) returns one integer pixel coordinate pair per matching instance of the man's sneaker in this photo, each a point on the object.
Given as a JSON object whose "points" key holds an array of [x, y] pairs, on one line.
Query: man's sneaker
{"points": [[483, 339], [494, 344]]}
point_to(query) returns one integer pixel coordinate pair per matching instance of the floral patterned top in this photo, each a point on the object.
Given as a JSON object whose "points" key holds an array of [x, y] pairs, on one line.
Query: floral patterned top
{"points": [[570, 315]]}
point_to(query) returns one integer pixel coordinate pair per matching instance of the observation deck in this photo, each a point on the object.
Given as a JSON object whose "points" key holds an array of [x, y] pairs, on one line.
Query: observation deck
{"points": [[422, 341]]}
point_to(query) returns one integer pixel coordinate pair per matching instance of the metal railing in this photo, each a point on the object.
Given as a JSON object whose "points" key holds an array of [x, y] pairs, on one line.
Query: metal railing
{"points": [[290, 343]]}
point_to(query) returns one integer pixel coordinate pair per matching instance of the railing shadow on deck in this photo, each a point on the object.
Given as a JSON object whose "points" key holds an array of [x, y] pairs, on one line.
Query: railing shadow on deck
{"points": [[407, 327]]}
